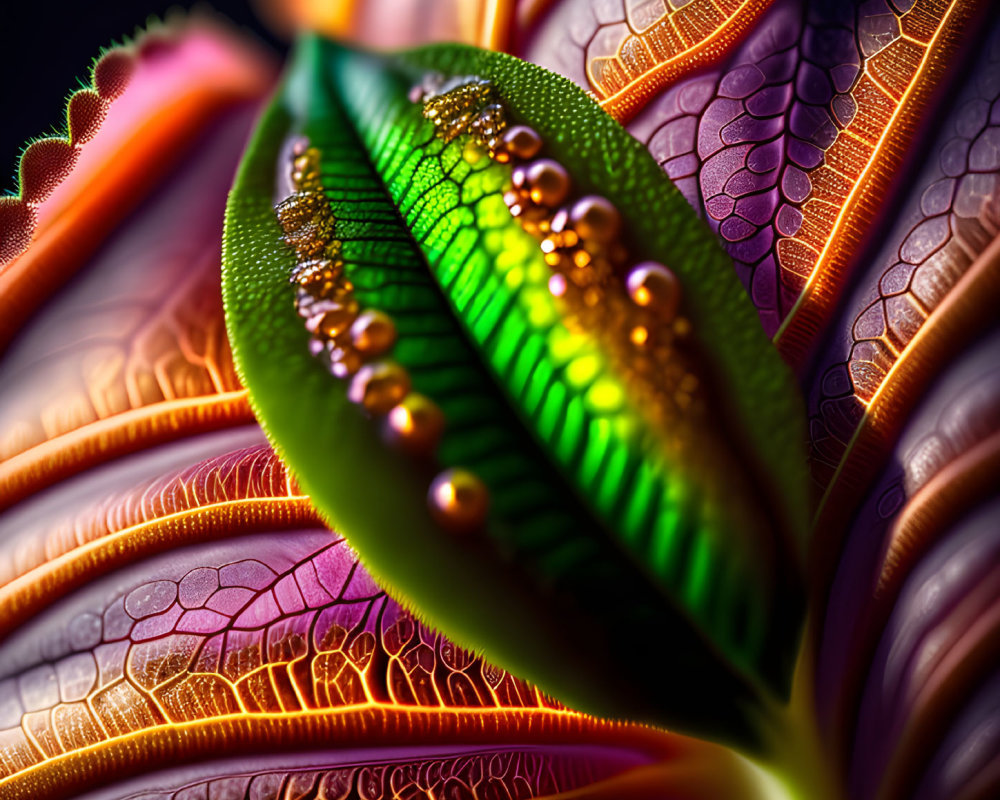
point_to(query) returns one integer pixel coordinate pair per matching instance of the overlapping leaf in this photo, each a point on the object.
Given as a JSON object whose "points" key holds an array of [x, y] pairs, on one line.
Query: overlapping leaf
{"points": [[605, 547]]}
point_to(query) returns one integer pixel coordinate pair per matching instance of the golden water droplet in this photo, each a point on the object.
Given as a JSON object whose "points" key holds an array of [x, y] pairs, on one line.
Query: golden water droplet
{"points": [[520, 142], [379, 386], [458, 500], [653, 286], [338, 319], [547, 182], [345, 361], [373, 333], [596, 219], [639, 335], [415, 424]]}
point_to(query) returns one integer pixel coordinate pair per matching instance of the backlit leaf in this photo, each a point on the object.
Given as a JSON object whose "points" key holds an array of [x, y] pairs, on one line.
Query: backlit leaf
{"points": [[645, 523]]}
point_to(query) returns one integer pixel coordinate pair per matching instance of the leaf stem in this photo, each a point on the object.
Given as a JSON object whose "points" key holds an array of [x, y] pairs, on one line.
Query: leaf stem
{"points": [[797, 764]]}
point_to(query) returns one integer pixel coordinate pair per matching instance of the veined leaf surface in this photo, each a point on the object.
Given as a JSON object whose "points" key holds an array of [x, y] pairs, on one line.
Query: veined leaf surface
{"points": [[613, 535], [175, 619]]}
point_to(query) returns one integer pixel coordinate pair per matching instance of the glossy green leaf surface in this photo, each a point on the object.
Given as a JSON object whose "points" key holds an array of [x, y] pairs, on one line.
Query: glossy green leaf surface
{"points": [[628, 570]]}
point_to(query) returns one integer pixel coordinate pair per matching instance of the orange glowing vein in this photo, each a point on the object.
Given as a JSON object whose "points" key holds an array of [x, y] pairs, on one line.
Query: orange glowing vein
{"points": [[61, 574], [56, 458], [971, 299], [473, 723], [731, 27], [847, 206]]}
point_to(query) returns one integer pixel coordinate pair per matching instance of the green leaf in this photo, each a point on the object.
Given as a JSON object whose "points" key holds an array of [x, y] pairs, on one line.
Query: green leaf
{"points": [[631, 566]]}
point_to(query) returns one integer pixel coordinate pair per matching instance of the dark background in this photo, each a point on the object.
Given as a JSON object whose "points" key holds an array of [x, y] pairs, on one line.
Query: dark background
{"points": [[47, 47]]}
